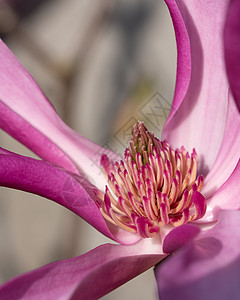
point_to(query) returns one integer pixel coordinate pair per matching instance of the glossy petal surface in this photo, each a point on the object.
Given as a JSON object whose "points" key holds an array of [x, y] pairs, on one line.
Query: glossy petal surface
{"points": [[199, 122], [86, 277], [207, 267]]}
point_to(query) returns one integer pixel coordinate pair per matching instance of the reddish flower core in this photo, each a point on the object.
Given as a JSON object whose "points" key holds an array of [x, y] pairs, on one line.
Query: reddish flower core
{"points": [[152, 187]]}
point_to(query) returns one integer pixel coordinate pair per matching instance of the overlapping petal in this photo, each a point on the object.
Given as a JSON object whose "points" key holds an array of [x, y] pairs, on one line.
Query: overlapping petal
{"points": [[207, 267], [29, 117], [50, 181], [200, 120], [232, 48], [89, 276]]}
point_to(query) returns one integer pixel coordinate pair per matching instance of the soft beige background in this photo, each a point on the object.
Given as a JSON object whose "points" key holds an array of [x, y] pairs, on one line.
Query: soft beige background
{"points": [[99, 62]]}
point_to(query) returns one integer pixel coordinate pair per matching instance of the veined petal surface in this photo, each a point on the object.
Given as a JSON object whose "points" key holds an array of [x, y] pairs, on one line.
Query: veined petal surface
{"points": [[200, 120], [228, 155]]}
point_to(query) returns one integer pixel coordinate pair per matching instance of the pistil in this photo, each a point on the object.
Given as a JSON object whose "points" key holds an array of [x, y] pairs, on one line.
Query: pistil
{"points": [[154, 186]]}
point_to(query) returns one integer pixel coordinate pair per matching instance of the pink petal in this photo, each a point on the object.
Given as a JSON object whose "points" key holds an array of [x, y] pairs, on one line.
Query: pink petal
{"points": [[68, 189], [200, 120], [28, 116], [227, 197], [85, 277], [228, 155], [23, 131], [232, 48], [208, 268]]}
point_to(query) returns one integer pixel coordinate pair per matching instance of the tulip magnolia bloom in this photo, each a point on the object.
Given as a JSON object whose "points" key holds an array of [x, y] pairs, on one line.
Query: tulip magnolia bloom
{"points": [[203, 117]]}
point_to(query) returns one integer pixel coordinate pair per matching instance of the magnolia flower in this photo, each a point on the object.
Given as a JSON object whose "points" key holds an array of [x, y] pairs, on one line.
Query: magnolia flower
{"points": [[154, 204]]}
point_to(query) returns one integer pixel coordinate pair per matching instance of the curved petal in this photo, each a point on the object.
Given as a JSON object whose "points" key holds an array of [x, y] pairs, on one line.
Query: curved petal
{"points": [[228, 155], [232, 48], [200, 120], [183, 57], [29, 117], [208, 268], [68, 189], [89, 276]]}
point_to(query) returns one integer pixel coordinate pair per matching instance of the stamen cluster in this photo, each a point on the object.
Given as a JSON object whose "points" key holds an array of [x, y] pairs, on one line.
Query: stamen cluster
{"points": [[152, 187]]}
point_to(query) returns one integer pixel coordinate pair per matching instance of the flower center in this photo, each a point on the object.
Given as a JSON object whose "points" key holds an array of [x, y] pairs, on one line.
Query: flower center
{"points": [[153, 186]]}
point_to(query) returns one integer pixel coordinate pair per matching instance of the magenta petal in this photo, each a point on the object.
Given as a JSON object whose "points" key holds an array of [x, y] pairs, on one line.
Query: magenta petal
{"points": [[44, 179], [68, 189], [200, 205], [179, 237], [87, 277], [232, 48], [29, 117], [199, 122], [207, 268]]}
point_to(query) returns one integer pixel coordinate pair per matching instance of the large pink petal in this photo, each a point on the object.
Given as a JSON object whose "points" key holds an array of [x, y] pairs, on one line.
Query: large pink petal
{"points": [[232, 48], [68, 189], [200, 120], [89, 276], [29, 117], [208, 268]]}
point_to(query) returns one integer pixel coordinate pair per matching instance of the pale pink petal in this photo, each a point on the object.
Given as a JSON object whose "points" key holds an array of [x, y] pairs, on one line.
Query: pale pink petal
{"points": [[28, 116], [200, 120], [68, 189], [227, 197], [16, 126], [232, 48], [207, 268], [86, 277], [228, 155]]}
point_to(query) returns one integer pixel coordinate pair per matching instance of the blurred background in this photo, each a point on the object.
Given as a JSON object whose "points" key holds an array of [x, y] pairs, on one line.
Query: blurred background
{"points": [[104, 65]]}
